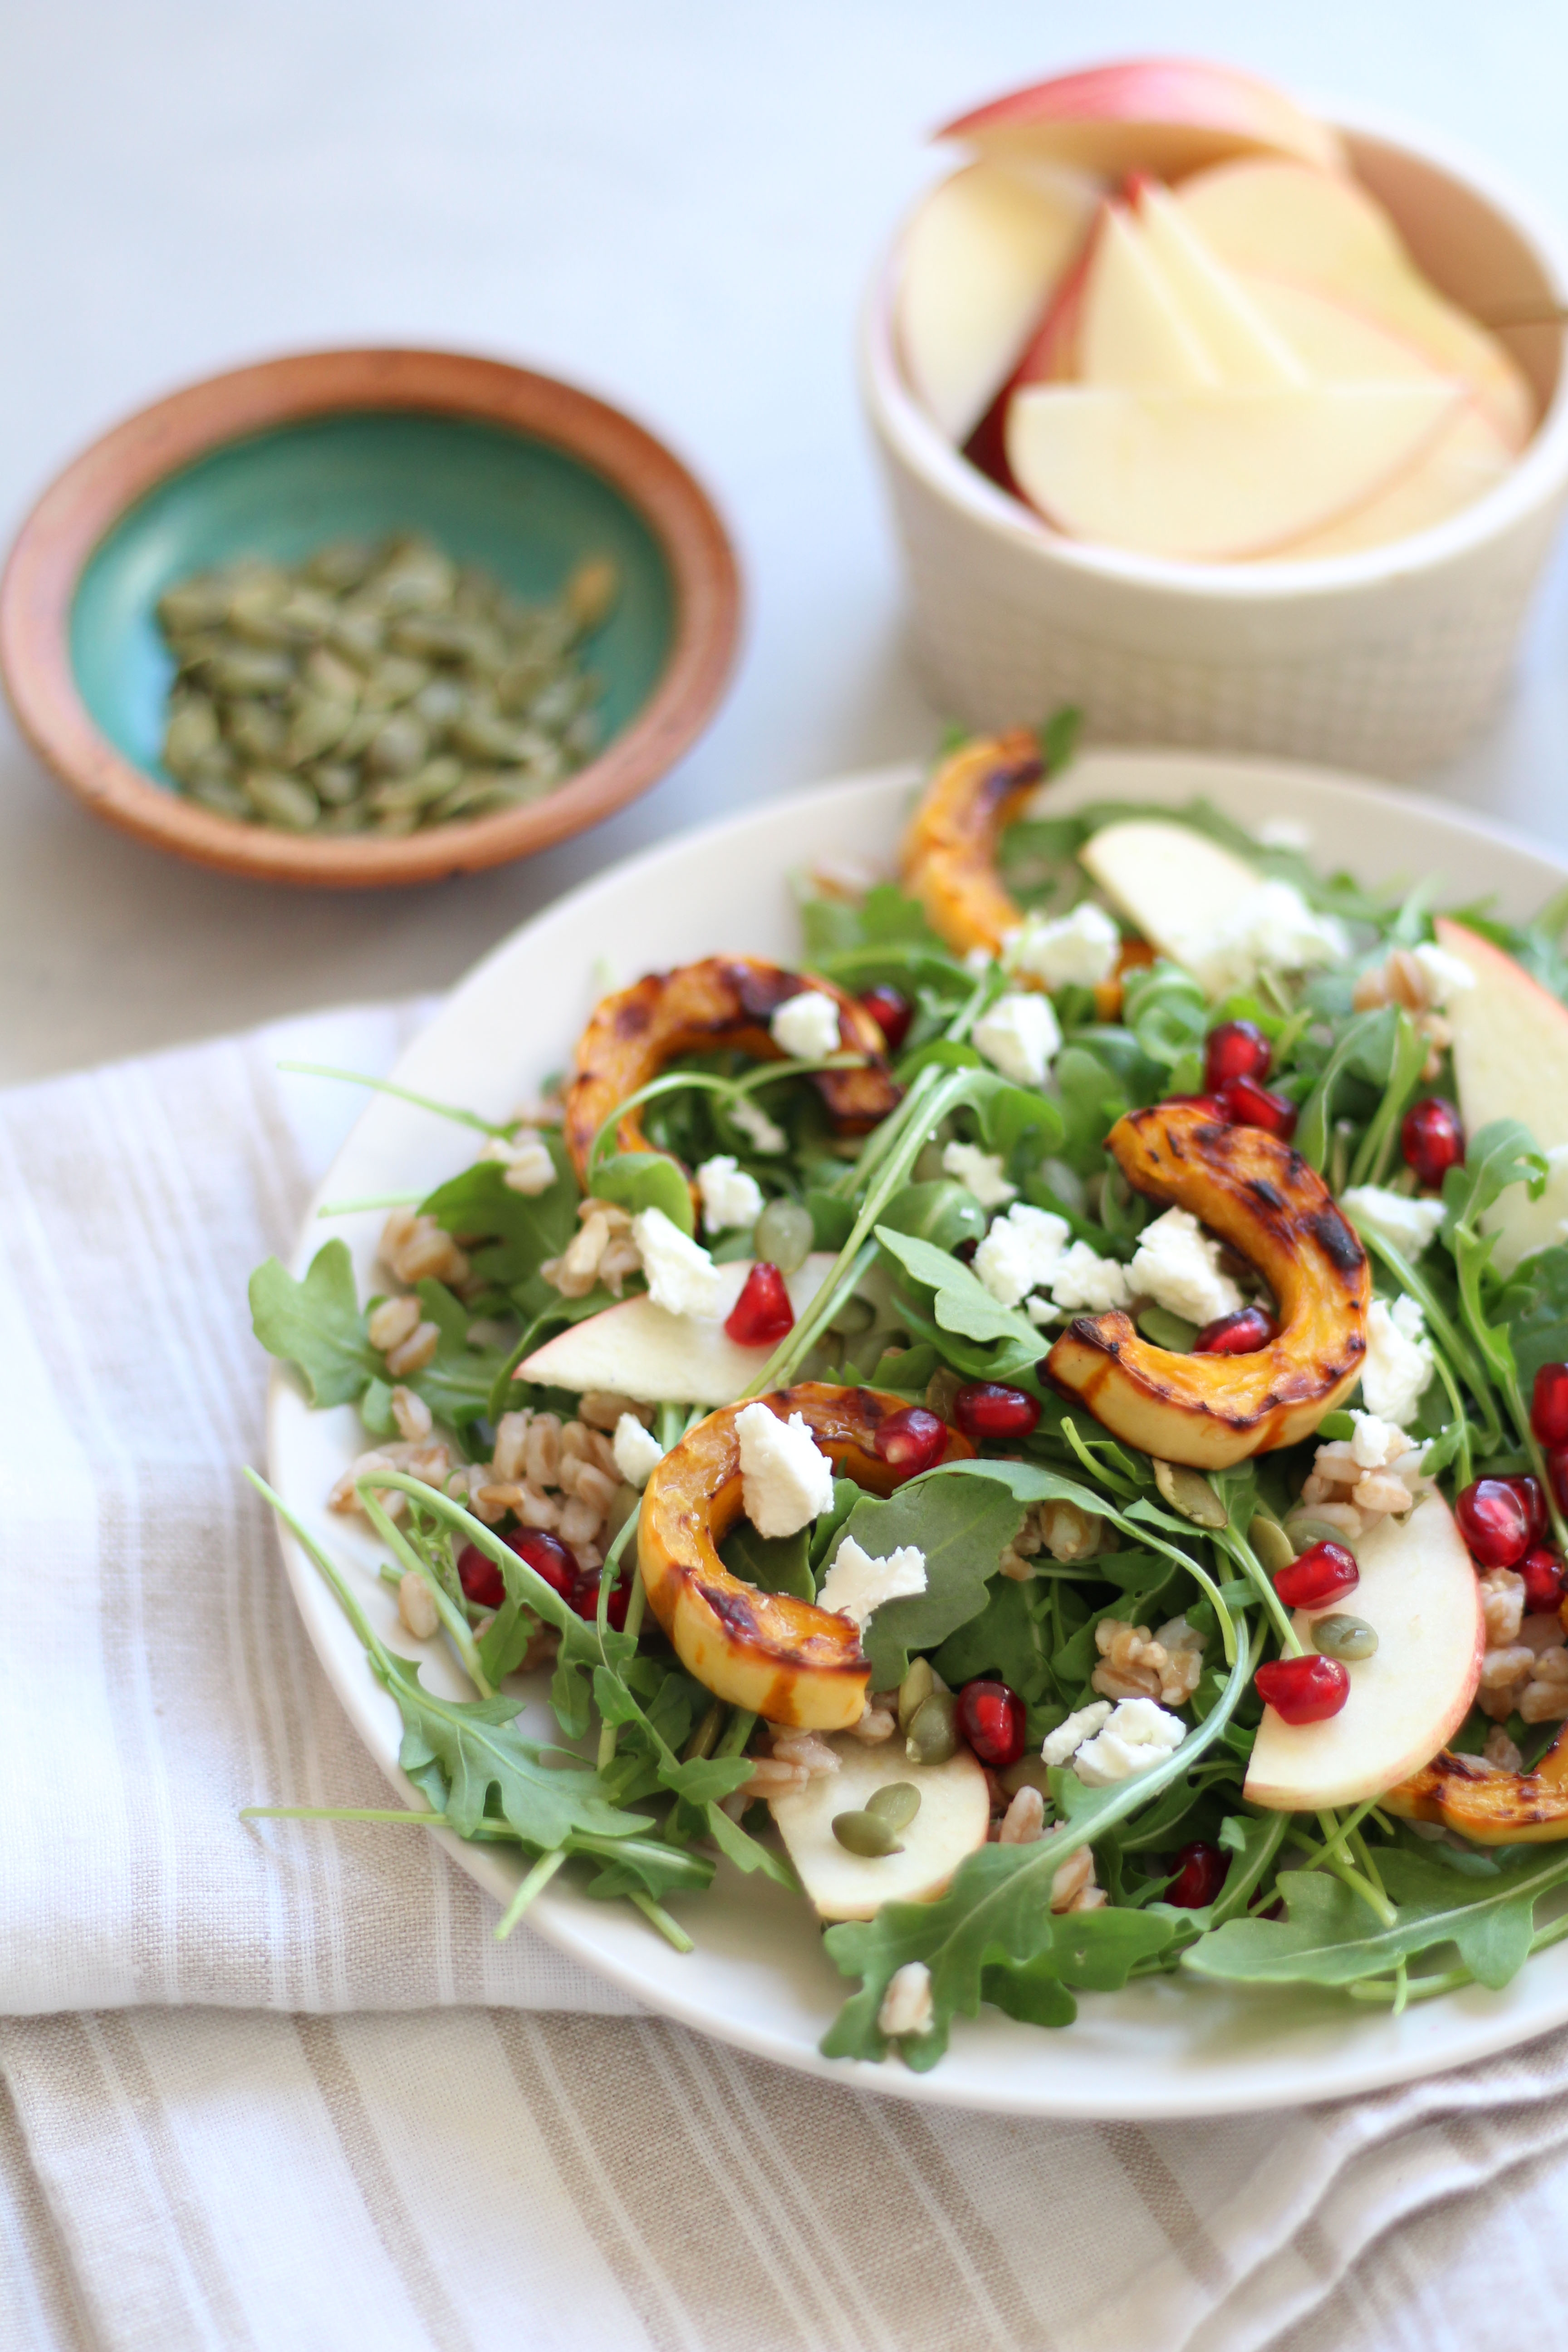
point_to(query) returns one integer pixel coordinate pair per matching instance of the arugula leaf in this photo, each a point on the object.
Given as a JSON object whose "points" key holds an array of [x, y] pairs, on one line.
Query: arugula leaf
{"points": [[1092, 1101], [457, 1380], [1534, 1307], [316, 1325], [1365, 1049], [940, 1211], [1088, 1951], [1330, 1938], [515, 1231], [961, 1302], [961, 1526], [635, 1180], [772, 1563]]}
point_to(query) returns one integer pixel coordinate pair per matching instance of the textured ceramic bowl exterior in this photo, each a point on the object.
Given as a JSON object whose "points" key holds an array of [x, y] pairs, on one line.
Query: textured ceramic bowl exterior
{"points": [[1385, 661]]}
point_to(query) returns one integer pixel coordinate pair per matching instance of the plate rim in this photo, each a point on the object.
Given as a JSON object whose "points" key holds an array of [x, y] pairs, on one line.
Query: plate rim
{"points": [[1487, 2031]]}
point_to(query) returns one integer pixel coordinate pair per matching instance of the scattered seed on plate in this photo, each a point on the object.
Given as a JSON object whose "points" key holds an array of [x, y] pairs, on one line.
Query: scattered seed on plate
{"points": [[376, 687]]}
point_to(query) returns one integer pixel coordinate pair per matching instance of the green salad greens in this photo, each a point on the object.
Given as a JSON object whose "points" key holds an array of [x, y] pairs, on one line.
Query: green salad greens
{"points": [[1104, 1643]]}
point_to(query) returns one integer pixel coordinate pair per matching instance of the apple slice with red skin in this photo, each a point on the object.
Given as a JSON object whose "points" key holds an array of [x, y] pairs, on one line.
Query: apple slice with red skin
{"points": [[1419, 1590], [643, 1351], [978, 261], [1168, 115], [1510, 1061]]}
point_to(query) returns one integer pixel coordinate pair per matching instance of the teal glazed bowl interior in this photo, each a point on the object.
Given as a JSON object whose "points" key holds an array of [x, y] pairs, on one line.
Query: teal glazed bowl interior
{"points": [[513, 472], [524, 511]]}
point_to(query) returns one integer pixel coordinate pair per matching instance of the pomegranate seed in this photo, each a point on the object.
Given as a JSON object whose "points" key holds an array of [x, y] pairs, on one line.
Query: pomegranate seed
{"points": [[991, 1718], [1432, 1139], [761, 1316], [1210, 1106], [891, 1011], [912, 1440], [480, 1579], [1200, 1874], [1534, 1501], [1541, 1570], [1324, 1572], [1494, 1522], [1549, 1406], [548, 1556], [1247, 1104], [1236, 1049], [1303, 1690], [585, 1599], [986, 1409], [1241, 1334]]}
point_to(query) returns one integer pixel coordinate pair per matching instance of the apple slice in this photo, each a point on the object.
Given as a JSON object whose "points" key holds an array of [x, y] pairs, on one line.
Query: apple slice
{"points": [[1244, 349], [1419, 1590], [1510, 1060], [1168, 115], [978, 262], [1320, 230], [953, 1820], [1470, 458], [641, 1350], [1131, 330], [1174, 883], [1211, 476]]}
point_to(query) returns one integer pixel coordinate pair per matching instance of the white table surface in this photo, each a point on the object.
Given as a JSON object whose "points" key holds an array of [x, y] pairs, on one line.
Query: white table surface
{"points": [[676, 204]]}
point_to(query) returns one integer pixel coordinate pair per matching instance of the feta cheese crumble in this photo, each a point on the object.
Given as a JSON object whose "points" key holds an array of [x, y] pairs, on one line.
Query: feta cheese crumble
{"points": [[637, 1450], [1445, 975], [1177, 1265], [858, 1582], [1139, 1735], [806, 1026], [755, 1124], [1284, 833], [981, 1172], [907, 2006], [1075, 950], [1399, 1362], [1068, 1737], [786, 1480], [1086, 1282], [681, 1276], [1021, 1253], [1019, 1036], [1270, 928], [525, 1158], [729, 1197], [1406, 1224], [1374, 1441]]}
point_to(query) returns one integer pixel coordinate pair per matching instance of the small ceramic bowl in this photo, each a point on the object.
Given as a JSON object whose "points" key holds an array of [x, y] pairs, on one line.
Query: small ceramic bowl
{"points": [[1384, 661], [503, 468]]}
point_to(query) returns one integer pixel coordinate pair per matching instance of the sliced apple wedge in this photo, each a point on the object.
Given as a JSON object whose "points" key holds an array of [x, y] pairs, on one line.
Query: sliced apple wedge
{"points": [[952, 1821], [641, 1350], [1321, 229], [1510, 1061], [1468, 460], [978, 262], [1419, 1590], [1131, 330], [1243, 345], [1174, 883], [1214, 475], [1168, 115]]}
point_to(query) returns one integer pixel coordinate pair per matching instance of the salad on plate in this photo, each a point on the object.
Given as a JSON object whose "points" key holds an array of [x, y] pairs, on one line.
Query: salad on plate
{"points": [[1043, 1430]]}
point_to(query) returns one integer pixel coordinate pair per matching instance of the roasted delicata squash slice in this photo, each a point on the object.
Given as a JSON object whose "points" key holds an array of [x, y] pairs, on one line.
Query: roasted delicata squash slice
{"points": [[1487, 1805], [949, 858], [1263, 1199], [781, 1657], [724, 1000]]}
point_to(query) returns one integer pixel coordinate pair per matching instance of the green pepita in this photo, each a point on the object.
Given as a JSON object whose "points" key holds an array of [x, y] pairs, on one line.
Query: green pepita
{"points": [[1347, 1638], [1270, 1542], [866, 1834], [896, 1803], [934, 1729], [1189, 1493], [915, 1689]]}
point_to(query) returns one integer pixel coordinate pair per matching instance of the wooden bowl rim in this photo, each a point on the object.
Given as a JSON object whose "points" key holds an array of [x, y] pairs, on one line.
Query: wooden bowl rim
{"points": [[84, 502]]}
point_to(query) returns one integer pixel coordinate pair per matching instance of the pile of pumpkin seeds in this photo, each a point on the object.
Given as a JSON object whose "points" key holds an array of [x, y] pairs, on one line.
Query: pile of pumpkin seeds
{"points": [[376, 689]]}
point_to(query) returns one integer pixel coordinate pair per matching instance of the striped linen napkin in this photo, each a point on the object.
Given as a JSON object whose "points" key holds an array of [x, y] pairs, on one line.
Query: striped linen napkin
{"points": [[288, 2090]]}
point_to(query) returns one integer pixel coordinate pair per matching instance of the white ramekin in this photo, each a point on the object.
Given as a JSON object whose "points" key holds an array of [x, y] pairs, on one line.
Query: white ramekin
{"points": [[1384, 661]]}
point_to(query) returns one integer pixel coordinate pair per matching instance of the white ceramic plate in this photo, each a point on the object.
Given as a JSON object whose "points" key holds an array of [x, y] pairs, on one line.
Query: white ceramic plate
{"points": [[759, 1977]]}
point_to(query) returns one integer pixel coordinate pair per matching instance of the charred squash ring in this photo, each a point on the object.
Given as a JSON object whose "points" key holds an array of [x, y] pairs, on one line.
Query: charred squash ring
{"points": [[722, 1001], [1264, 1199], [1490, 1807], [781, 1657], [949, 850]]}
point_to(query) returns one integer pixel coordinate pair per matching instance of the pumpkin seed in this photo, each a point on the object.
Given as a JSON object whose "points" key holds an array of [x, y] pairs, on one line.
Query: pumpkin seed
{"points": [[1304, 1531], [1189, 1493], [896, 1803], [1164, 1329], [1348, 1638], [934, 1729], [1028, 1772], [1270, 1542], [917, 1685], [866, 1834], [376, 687]]}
